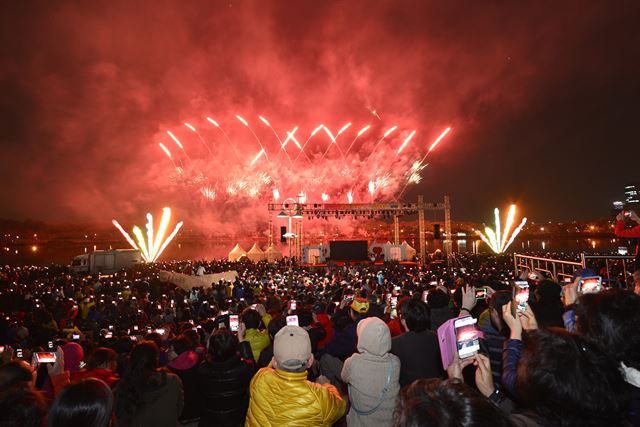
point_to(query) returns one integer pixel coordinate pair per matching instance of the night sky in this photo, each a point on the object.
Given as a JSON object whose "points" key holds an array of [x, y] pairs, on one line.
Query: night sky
{"points": [[543, 97]]}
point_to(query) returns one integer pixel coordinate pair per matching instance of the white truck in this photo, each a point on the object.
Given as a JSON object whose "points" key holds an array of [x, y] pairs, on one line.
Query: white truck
{"points": [[105, 262]]}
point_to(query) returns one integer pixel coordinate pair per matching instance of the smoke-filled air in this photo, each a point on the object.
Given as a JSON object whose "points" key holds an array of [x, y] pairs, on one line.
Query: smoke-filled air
{"points": [[216, 108]]}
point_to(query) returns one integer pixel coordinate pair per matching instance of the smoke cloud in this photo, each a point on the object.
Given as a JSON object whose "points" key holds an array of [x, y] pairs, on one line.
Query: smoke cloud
{"points": [[91, 88]]}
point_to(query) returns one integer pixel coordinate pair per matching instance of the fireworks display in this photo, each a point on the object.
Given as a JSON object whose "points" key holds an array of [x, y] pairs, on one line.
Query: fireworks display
{"points": [[155, 243], [497, 240], [242, 158]]}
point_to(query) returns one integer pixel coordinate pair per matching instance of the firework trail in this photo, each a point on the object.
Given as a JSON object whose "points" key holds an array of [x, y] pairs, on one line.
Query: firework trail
{"points": [[244, 122], [343, 176], [168, 153], [226, 137], [435, 143], [152, 247], [333, 140], [497, 243], [282, 145], [313, 133], [358, 135], [178, 143], [386, 134], [194, 130], [208, 192]]}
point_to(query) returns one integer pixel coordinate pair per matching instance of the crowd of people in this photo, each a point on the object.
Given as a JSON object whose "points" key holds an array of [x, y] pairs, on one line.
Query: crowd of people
{"points": [[283, 344]]}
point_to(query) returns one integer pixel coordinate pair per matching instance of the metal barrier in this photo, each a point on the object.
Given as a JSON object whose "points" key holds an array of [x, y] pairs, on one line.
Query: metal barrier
{"points": [[609, 259], [556, 268], [559, 269]]}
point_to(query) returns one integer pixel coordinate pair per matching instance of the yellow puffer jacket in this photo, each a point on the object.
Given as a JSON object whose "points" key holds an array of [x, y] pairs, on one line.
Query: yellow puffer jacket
{"points": [[281, 398]]}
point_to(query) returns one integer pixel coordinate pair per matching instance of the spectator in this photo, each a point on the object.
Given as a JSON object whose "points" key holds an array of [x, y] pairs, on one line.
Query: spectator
{"points": [[277, 322], [343, 344], [418, 348], [185, 366], [372, 376], [20, 404], [321, 316], [611, 321], [256, 338], [450, 403], [548, 305], [223, 381], [101, 365], [630, 233], [147, 396], [497, 333], [314, 329], [438, 303], [561, 378], [87, 403], [281, 395]]}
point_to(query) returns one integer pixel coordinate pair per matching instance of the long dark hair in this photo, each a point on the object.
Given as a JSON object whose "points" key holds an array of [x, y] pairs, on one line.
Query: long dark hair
{"points": [[138, 376], [88, 402]]}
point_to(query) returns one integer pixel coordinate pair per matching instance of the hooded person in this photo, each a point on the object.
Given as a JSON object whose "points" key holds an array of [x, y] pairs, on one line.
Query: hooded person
{"points": [[372, 376]]}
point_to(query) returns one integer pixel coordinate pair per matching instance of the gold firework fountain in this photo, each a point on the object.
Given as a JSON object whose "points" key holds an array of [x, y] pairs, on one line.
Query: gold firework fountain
{"points": [[498, 241], [155, 243]]}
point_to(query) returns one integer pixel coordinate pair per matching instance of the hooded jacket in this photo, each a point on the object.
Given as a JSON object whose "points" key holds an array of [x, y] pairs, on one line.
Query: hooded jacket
{"points": [[280, 398], [373, 376], [185, 366]]}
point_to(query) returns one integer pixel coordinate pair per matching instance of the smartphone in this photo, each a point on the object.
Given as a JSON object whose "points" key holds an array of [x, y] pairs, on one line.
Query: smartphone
{"points": [[520, 297], [481, 293], [424, 296], [292, 305], [590, 285], [292, 320], [74, 336], [19, 354], [135, 327], [111, 327], [253, 306], [467, 337], [159, 331], [233, 322], [50, 344], [45, 357], [109, 335]]}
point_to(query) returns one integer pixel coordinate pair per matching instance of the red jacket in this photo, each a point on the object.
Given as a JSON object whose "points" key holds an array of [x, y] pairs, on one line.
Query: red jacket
{"points": [[620, 231], [106, 375], [328, 327]]}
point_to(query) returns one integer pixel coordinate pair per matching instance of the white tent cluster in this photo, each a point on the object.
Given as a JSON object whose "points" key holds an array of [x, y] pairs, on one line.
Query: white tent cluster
{"points": [[255, 254]]}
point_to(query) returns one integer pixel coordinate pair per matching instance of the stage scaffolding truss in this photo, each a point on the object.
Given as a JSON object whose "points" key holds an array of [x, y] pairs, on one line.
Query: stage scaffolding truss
{"points": [[367, 211]]}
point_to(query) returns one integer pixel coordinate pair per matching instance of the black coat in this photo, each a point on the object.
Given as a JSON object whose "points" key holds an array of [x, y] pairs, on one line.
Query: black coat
{"points": [[419, 354], [224, 389]]}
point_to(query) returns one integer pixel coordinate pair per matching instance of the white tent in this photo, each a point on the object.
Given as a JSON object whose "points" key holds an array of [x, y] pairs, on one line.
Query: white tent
{"points": [[409, 252], [272, 253], [236, 253], [256, 254]]}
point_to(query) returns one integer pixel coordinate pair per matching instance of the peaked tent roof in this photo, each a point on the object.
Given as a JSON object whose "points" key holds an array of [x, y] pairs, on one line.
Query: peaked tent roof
{"points": [[255, 253], [236, 253]]}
